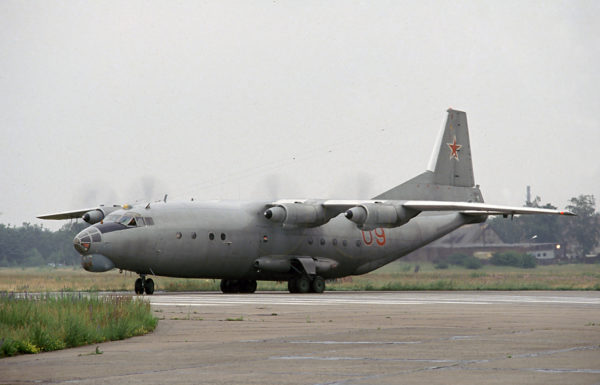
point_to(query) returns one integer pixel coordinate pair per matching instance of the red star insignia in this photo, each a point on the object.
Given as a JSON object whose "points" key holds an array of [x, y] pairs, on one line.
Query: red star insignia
{"points": [[454, 149]]}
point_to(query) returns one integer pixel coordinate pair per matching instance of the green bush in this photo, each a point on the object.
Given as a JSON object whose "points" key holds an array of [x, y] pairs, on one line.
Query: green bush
{"points": [[457, 259], [473, 263], [441, 265], [513, 258], [468, 261]]}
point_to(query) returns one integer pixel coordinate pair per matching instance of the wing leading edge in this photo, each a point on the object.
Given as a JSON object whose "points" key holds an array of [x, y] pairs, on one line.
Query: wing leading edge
{"points": [[67, 214]]}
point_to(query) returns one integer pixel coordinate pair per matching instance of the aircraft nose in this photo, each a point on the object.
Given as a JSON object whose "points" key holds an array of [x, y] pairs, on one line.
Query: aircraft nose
{"points": [[85, 239]]}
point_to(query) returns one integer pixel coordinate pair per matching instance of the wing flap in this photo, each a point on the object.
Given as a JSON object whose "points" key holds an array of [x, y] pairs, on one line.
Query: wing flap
{"points": [[479, 208]]}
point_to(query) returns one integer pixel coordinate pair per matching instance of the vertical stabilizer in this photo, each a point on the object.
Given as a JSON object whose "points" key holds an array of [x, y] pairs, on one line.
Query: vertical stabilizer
{"points": [[452, 178], [454, 166]]}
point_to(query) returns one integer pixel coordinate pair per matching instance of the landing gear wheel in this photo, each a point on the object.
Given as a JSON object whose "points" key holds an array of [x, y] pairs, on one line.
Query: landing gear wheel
{"points": [[247, 286], [139, 286], [317, 285], [149, 286], [231, 286], [225, 286], [292, 285], [303, 284]]}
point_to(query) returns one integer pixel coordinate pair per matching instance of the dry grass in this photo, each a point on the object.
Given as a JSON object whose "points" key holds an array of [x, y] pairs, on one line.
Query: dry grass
{"points": [[395, 276]]}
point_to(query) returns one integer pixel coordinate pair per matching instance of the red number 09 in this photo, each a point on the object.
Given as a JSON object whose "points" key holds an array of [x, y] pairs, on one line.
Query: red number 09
{"points": [[379, 236]]}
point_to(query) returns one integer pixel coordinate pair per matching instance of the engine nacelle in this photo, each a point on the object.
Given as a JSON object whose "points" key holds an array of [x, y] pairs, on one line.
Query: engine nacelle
{"points": [[93, 216], [373, 215], [96, 263], [297, 214]]}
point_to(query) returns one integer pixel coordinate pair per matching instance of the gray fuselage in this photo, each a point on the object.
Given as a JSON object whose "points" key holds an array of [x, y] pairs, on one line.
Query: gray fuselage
{"points": [[220, 239]]}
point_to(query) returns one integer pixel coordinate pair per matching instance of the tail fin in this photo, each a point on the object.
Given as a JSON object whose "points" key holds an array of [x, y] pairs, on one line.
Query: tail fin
{"points": [[452, 178]]}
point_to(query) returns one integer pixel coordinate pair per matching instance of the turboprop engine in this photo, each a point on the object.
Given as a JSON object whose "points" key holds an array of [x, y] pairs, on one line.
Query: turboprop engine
{"points": [[298, 214], [98, 215], [93, 216], [373, 215]]}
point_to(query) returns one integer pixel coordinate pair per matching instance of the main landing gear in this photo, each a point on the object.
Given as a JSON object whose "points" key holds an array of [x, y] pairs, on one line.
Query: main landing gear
{"points": [[144, 285], [231, 286], [305, 284]]}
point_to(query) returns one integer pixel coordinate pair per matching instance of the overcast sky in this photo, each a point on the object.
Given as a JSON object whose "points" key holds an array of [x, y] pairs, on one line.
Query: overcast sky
{"points": [[115, 102]]}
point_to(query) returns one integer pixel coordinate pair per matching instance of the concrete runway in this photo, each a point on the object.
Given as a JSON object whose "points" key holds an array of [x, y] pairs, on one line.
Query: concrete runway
{"points": [[343, 338]]}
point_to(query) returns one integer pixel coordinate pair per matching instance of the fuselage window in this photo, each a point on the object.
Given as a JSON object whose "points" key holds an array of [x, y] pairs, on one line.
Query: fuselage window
{"points": [[193, 235], [345, 243], [178, 235], [223, 236], [149, 221], [211, 236], [140, 221], [334, 242], [358, 243], [310, 241], [322, 241], [132, 222]]}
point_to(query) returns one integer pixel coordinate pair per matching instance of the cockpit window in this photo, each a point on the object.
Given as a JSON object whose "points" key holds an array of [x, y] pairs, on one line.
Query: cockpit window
{"points": [[125, 220], [133, 219]]}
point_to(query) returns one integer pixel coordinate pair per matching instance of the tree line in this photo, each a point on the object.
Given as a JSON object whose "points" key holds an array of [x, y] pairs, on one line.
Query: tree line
{"points": [[580, 234], [34, 245]]}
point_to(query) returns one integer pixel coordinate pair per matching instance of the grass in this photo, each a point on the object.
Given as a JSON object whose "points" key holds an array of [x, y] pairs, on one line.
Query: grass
{"points": [[552, 277], [49, 323], [395, 276]]}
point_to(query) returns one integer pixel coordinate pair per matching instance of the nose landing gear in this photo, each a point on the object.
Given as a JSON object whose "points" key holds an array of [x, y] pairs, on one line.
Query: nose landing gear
{"points": [[144, 285]]}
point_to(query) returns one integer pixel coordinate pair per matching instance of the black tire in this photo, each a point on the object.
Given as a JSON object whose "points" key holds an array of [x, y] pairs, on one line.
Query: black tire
{"points": [[234, 286], [225, 286], [139, 286], [149, 286], [292, 286], [248, 286], [317, 285], [303, 284]]}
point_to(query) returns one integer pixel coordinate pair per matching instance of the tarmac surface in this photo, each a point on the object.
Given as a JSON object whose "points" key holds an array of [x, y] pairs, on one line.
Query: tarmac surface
{"points": [[343, 338]]}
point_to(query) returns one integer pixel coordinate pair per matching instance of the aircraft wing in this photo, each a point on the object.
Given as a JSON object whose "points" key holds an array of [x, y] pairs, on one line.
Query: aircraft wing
{"points": [[90, 215], [464, 207], [67, 214], [479, 208]]}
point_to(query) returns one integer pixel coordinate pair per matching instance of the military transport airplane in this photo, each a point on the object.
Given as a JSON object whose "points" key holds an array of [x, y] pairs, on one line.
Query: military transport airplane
{"points": [[301, 241]]}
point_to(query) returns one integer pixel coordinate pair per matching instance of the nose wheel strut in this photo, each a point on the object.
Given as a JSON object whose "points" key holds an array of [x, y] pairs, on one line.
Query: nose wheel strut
{"points": [[144, 285]]}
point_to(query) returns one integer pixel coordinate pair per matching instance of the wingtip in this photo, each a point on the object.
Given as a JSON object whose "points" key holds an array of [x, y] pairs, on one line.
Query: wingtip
{"points": [[568, 213]]}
